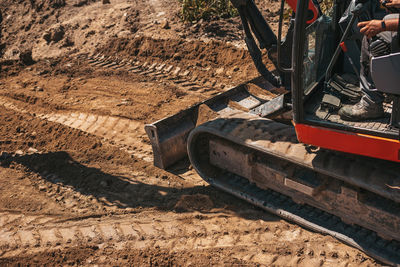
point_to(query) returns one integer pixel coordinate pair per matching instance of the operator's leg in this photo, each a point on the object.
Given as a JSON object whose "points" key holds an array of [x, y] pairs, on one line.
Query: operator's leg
{"points": [[370, 95], [370, 105]]}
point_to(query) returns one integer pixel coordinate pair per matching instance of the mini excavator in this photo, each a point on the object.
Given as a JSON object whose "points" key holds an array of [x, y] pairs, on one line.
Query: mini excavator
{"points": [[277, 141]]}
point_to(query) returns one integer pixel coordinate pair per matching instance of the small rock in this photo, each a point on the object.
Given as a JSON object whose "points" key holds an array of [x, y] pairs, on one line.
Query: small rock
{"points": [[219, 71], [108, 26], [165, 25], [19, 152], [33, 134], [32, 150], [124, 34], [42, 188]]}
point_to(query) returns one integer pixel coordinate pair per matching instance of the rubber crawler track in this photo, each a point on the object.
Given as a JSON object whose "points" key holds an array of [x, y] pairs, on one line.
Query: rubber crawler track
{"points": [[279, 204]]}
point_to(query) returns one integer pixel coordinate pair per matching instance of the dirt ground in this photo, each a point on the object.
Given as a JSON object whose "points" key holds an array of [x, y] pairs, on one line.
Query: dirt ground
{"points": [[77, 183]]}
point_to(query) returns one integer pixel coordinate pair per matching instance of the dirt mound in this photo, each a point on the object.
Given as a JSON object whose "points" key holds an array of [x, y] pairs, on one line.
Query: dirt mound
{"points": [[205, 114], [52, 28], [161, 257], [207, 59], [47, 4], [71, 256], [89, 255], [21, 132], [201, 54], [80, 3], [194, 202]]}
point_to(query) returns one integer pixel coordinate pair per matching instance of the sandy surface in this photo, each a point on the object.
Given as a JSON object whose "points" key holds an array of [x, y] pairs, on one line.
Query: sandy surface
{"points": [[77, 184]]}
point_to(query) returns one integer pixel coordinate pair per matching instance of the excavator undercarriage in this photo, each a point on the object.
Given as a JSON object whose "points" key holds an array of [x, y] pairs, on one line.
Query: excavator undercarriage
{"points": [[245, 140], [234, 147]]}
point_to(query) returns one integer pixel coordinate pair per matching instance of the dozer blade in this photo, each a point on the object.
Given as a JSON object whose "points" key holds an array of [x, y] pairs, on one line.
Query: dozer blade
{"points": [[168, 136]]}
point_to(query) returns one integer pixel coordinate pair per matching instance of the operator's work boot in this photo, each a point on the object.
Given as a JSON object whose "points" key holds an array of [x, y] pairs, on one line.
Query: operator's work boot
{"points": [[361, 111]]}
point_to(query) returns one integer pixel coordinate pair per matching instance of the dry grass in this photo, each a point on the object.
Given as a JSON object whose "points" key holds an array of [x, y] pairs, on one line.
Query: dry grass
{"points": [[194, 10], [327, 7]]}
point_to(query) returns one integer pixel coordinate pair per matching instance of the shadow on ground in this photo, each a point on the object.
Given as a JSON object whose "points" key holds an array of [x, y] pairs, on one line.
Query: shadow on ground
{"points": [[125, 192]]}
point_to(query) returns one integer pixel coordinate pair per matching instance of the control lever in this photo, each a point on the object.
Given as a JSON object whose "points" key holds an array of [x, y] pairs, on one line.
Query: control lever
{"points": [[356, 12]]}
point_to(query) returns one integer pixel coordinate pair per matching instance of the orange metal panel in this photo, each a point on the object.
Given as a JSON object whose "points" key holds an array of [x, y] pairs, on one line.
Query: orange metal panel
{"points": [[360, 144], [313, 12]]}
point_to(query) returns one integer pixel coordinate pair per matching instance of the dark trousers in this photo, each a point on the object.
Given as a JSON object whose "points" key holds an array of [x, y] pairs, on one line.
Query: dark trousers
{"points": [[371, 95]]}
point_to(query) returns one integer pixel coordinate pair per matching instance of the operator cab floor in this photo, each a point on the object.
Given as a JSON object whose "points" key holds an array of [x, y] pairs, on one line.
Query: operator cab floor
{"points": [[382, 125]]}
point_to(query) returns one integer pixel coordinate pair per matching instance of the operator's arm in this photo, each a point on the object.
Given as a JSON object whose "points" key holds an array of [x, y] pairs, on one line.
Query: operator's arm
{"points": [[373, 27], [393, 3]]}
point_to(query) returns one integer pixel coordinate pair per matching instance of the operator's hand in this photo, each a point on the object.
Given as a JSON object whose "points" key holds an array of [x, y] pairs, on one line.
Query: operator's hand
{"points": [[392, 3], [370, 28]]}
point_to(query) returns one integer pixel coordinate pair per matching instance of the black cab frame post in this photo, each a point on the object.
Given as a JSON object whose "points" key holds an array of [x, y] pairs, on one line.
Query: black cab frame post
{"points": [[297, 61]]}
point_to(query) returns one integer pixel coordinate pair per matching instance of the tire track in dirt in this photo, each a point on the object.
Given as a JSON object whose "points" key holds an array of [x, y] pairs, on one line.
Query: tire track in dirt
{"points": [[182, 78], [125, 133], [172, 231], [128, 135]]}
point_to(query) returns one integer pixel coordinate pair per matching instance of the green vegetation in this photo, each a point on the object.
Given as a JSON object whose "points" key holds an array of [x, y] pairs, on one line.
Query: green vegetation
{"points": [[194, 10]]}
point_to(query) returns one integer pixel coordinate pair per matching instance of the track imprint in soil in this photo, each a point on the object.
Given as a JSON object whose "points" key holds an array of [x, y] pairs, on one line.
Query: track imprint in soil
{"points": [[122, 132]]}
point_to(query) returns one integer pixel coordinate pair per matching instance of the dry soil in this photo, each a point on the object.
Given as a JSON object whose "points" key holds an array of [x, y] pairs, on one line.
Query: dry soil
{"points": [[77, 184]]}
